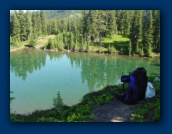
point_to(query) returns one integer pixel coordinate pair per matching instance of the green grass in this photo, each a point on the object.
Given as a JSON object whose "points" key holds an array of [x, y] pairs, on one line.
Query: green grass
{"points": [[40, 42], [119, 43], [115, 38]]}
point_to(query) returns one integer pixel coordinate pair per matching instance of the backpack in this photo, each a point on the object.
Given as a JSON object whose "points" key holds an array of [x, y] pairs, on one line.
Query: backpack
{"points": [[137, 83]]}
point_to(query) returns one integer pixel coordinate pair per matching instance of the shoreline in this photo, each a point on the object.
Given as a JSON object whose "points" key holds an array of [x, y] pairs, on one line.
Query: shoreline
{"points": [[94, 110], [69, 51]]}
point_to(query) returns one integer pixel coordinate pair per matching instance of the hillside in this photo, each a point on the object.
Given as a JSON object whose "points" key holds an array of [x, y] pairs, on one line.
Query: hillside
{"points": [[51, 14]]}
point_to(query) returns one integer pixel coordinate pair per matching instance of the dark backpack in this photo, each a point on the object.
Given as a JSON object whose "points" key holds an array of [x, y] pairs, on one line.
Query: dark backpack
{"points": [[137, 83]]}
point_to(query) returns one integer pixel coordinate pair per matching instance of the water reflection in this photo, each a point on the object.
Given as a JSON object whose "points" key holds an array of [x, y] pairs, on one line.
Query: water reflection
{"points": [[36, 76], [24, 62], [96, 70]]}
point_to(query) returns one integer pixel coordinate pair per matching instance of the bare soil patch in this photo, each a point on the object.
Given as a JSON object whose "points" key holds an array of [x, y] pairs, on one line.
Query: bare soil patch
{"points": [[115, 111]]}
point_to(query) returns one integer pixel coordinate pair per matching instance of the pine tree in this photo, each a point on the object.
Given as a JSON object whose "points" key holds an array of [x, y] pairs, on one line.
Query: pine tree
{"points": [[71, 44], [147, 33], [15, 26], [58, 102], [111, 22], [101, 23], [118, 14], [93, 33], [120, 21], [126, 23], [156, 31], [85, 23], [28, 25], [136, 30], [38, 23], [34, 25], [129, 48], [43, 23], [53, 27], [23, 27]]}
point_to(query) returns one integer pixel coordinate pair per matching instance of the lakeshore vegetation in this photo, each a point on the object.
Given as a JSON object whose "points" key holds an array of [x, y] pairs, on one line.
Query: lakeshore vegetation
{"points": [[147, 111], [129, 32]]}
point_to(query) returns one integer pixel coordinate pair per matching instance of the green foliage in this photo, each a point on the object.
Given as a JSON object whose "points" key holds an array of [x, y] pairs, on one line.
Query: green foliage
{"points": [[79, 112], [136, 29], [15, 26], [13, 118], [99, 98], [156, 30], [47, 119], [141, 52], [111, 49], [129, 48], [95, 26], [78, 117], [150, 112], [137, 117], [88, 48], [50, 44], [149, 51], [32, 42], [111, 22], [58, 102], [76, 46], [58, 42], [15, 41], [150, 108]]}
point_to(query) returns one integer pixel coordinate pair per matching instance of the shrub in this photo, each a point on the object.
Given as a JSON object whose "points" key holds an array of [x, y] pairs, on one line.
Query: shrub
{"points": [[32, 42], [111, 49], [15, 41], [50, 44]]}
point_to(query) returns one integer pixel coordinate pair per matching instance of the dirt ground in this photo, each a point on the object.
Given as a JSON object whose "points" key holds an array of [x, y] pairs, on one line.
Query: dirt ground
{"points": [[115, 111]]}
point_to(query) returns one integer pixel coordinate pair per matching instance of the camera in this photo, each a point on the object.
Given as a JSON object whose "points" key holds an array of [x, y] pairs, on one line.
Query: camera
{"points": [[125, 78]]}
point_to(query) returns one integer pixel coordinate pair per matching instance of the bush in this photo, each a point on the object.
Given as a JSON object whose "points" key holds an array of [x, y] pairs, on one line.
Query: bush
{"points": [[50, 44], [32, 42], [48, 119], [141, 52], [15, 41], [111, 49]]}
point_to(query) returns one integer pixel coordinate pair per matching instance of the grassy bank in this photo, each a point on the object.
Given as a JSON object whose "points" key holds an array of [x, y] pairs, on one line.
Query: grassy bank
{"points": [[116, 44], [148, 110], [39, 43]]}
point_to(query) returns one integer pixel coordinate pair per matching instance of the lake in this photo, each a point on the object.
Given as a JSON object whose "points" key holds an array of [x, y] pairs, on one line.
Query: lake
{"points": [[37, 76]]}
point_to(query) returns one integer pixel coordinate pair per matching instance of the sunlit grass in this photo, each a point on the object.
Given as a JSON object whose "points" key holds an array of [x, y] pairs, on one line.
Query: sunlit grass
{"points": [[44, 40], [114, 38]]}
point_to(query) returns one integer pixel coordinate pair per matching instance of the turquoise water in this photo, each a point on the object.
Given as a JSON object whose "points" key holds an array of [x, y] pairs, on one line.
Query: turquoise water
{"points": [[37, 76]]}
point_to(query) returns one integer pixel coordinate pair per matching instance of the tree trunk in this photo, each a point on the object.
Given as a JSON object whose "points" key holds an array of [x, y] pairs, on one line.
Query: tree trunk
{"points": [[100, 39]]}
